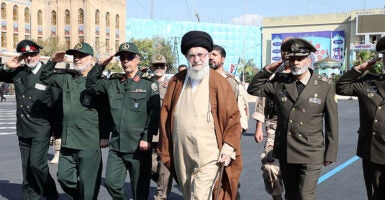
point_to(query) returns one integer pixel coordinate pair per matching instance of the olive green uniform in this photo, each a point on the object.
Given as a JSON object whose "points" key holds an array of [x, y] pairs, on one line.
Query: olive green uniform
{"points": [[135, 107], [300, 141], [34, 114], [370, 90], [79, 169]]}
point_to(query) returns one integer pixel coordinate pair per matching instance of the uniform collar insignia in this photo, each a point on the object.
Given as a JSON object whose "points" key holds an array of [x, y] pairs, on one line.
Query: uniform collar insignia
{"points": [[136, 78]]}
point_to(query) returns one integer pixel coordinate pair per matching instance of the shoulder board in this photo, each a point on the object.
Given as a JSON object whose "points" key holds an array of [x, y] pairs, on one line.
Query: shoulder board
{"points": [[326, 80], [148, 75]]}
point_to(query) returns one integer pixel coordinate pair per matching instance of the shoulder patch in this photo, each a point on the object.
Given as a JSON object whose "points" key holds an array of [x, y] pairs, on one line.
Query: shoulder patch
{"points": [[154, 87], [326, 80]]}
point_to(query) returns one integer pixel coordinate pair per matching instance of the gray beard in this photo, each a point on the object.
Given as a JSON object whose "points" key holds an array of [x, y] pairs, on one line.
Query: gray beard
{"points": [[32, 66], [80, 69], [298, 71]]}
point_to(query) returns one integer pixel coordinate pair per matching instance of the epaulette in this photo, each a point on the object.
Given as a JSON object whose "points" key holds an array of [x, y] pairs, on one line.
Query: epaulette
{"points": [[148, 75], [325, 79], [116, 76]]}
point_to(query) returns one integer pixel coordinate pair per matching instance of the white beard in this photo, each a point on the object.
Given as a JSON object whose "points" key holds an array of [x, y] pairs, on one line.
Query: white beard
{"points": [[81, 69], [32, 65], [198, 74], [298, 71]]}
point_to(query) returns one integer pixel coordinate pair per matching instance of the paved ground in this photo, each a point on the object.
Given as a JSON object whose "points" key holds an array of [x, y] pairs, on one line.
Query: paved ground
{"points": [[338, 182]]}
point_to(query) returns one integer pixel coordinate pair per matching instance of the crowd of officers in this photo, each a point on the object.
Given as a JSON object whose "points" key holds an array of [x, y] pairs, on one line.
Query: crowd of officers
{"points": [[89, 111]]}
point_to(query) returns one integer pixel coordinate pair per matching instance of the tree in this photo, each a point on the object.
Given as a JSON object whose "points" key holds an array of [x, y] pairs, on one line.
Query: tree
{"points": [[52, 45], [363, 56], [249, 67], [149, 47]]}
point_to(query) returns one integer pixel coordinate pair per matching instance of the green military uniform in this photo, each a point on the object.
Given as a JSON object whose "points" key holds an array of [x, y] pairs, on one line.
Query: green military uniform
{"points": [[370, 90], [301, 143], [135, 107], [80, 166], [34, 113]]}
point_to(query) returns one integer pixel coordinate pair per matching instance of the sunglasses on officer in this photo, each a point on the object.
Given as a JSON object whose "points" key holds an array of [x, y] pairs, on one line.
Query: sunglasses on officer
{"points": [[158, 66], [129, 57]]}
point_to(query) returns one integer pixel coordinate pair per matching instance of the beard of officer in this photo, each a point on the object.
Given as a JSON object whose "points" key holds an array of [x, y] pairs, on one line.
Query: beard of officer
{"points": [[198, 71], [300, 68], [32, 61], [82, 63]]}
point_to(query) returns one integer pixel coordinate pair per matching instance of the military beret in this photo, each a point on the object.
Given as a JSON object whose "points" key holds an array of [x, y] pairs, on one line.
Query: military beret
{"points": [[158, 59], [27, 46], [81, 47], [297, 47], [196, 39], [380, 46], [127, 47]]}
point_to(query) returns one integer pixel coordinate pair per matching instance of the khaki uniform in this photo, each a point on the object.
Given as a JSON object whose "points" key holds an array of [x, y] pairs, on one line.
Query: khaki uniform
{"points": [[370, 90], [300, 138], [265, 113]]}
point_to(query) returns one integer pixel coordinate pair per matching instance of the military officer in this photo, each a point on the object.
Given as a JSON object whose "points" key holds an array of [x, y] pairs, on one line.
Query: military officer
{"points": [[160, 174], [370, 90], [80, 166], [135, 106], [305, 104], [34, 101]]}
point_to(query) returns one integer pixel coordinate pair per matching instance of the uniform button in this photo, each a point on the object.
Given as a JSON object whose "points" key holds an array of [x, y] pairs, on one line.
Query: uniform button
{"points": [[373, 133], [293, 109], [27, 115], [299, 135], [289, 133], [379, 108], [23, 96], [290, 121], [21, 106], [27, 106], [21, 115], [300, 123], [30, 97], [375, 121], [303, 110]]}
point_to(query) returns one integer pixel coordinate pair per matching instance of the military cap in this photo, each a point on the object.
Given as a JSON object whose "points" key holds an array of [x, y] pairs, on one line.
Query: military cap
{"points": [[127, 47], [297, 47], [158, 59], [196, 39], [27, 46], [380, 46], [81, 47]]}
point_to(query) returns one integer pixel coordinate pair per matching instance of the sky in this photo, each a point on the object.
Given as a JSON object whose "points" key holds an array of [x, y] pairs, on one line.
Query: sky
{"points": [[249, 12]]}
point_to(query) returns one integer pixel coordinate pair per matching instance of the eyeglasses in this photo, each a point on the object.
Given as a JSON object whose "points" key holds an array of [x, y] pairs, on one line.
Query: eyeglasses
{"points": [[158, 66], [128, 57], [30, 54], [200, 55]]}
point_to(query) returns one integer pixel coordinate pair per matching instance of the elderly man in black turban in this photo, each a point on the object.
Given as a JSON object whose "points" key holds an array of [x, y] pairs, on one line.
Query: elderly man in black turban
{"points": [[200, 126]]}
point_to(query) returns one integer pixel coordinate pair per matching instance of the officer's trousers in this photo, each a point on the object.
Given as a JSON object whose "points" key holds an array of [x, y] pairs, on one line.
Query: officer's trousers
{"points": [[139, 167], [374, 175], [36, 177], [79, 172], [162, 176], [300, 180]]}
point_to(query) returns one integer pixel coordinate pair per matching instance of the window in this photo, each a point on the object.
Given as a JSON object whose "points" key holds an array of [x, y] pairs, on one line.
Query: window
{"points": [[27, 16], [39, 40], [117, 22], [3, 11], [53, 18], [116, 45], [39, 17], [107, 45], [97, 43], [15, 13], [108, 19], [3, 39], [97, 19], [81, 16], [67, 42], [27, 37], [81, 39], [15, 40], [67, 18]]}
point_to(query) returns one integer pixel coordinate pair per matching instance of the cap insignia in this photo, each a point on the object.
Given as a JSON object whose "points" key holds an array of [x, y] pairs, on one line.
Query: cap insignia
{"points": [[125, 46], [158, 57], [79, 46]]}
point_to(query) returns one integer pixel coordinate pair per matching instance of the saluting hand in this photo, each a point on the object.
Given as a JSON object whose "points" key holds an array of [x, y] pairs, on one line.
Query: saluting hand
{"points": [[144, 146], [14, 62], [58, 56], [105, 61], [366, 65]]}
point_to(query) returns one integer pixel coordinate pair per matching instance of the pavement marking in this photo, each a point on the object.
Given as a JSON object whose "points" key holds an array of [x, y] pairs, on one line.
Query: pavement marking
{"points": [[9, 127], [7, 119], [337, 169], [8, 133], [7, 123]]}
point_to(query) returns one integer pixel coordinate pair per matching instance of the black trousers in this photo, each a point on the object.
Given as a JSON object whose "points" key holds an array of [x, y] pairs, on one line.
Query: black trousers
{"points": [[300, 180], [374, 175]]}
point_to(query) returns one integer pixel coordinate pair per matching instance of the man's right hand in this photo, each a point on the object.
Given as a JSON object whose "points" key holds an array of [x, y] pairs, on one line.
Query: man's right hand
{"points": [[367, 64], [14, 62], [104, 62]]}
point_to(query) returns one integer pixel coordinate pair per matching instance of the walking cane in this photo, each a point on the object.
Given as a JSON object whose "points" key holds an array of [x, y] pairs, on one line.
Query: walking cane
{"points": [[221, 167]]}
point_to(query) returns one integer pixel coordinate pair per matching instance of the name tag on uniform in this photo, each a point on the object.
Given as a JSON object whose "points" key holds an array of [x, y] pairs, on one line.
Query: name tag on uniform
{"points": [[40, 86], [315, 100]]}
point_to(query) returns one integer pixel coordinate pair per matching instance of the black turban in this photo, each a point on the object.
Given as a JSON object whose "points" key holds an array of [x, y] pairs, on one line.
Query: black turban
{"points": [[196, 39]]}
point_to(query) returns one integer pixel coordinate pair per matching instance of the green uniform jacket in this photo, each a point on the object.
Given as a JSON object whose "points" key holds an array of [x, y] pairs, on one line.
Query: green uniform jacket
{"points": [[370, 90], [135, 108], [34, 102], [80, 111], [300, 138]]}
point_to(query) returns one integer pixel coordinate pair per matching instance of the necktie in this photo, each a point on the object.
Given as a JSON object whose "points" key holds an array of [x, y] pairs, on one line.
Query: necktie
{"points": [[300, 87]]}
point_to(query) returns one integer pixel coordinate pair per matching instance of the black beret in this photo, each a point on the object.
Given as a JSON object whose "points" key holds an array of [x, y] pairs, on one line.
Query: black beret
{"points": [[297, 47], [380, 46], [27, 46], [196, 39]]}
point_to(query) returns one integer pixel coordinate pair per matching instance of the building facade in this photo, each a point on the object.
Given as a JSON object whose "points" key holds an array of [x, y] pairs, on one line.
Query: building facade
{"points": [[100, 23], [342, 35]]}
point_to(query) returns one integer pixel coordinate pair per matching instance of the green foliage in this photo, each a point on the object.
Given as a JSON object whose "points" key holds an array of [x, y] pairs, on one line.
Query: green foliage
{"points": [[52, 45], [149, 47], [363, 56], [249, 67]]}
